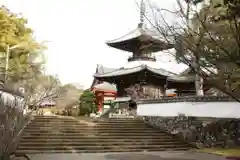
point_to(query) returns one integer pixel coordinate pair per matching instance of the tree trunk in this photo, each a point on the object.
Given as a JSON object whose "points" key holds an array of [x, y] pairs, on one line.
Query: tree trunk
{"points": [[199, 85], [198, 78]]}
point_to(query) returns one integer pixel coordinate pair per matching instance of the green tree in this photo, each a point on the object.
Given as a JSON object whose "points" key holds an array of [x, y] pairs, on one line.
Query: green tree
{"points": [[19, 52], [18, 49], [87, 102]]}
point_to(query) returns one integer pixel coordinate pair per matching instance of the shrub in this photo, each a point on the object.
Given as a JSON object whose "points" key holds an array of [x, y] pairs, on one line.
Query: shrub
{"points": [[12, 123], [87, 103]]}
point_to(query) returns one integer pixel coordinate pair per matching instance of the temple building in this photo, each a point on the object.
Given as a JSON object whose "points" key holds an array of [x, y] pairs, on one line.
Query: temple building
{"points": [[145, 88], [142, 76]]}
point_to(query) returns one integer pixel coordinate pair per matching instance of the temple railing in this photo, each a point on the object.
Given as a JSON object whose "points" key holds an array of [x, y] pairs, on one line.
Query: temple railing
{"points": [[142, 58]]}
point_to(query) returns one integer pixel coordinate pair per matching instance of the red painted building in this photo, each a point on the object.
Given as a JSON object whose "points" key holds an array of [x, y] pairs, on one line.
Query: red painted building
{"points": [[104, 92]]}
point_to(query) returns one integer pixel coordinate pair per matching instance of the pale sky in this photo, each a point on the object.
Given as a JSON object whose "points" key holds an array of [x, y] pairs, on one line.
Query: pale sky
{"points": [[77, 31]]}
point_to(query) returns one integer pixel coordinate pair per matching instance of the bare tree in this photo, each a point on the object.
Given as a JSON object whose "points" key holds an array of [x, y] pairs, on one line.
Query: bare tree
{"points": [[68, 98], [22, 82], [13, 118], [204, 40]]}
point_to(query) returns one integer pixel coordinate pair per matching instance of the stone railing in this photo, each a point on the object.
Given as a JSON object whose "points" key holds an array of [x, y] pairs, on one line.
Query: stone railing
{"points": [[201, 132], [187, 99]]}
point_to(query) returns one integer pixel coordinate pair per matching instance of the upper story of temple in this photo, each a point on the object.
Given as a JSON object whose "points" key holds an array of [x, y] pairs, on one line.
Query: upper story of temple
{"points": [[142, 67], [141, 42]]}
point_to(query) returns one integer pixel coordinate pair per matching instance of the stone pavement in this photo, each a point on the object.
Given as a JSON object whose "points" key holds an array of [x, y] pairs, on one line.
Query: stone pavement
{"points": [[166, 155]]}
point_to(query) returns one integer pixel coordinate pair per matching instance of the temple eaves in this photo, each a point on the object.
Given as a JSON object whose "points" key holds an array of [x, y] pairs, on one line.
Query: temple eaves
{"points": [[140, 37], [106, 86], [126, 71], [182, 79]]}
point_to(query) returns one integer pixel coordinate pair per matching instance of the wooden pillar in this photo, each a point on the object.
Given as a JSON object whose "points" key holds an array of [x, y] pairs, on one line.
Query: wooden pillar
{"points": [[100, 99], [180, 92], [120, 89], [159, 93], [165, 87]]}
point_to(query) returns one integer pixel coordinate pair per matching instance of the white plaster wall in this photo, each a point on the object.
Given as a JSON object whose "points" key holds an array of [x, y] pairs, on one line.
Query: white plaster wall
{"points": [[196, 109]]}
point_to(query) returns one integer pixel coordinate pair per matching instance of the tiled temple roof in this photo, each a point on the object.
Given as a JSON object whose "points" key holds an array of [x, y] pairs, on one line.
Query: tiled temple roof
{"points": [[106, 86], [134, 67], [101, 70], [143, 35], [178, 78]]}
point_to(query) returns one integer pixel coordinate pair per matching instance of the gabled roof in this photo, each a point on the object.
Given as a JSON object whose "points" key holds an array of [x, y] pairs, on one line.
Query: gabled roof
{"points": [[182, 79], [185, 76], [101, 70], [129, 69], [105, 86], [204, 70], [145, 36], [187, 71], [188, 75]]}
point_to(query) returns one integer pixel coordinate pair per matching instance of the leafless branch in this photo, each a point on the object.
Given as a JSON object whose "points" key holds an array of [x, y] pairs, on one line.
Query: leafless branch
{"points": [[193, 41]]}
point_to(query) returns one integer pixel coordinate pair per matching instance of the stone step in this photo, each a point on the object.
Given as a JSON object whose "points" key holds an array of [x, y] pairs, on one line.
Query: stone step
{"points": [[86, 118], [97, 143], [86, 123], [58, 134], [93, 131], [32, 151], [96, 147], [66, 136], [93, 121], [83, 118], [48, 126], [99, 134], [73, 128], [117, 121], [79, 130], [77, 127], [94, 140]]}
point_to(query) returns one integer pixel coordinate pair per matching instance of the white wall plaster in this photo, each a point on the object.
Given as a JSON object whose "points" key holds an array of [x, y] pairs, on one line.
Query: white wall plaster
{"points": [[195, 109]]}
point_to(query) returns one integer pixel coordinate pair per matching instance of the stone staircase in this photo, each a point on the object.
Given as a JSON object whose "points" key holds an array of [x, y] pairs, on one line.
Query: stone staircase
{"points": [[54, 134]]}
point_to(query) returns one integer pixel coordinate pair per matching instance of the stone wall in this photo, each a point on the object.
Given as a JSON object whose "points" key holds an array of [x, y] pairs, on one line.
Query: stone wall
{"points": [[202, 132]]}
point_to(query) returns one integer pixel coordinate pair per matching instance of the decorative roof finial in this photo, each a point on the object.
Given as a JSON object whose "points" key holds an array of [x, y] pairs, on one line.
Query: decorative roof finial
{"points": [[142, 13]]}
